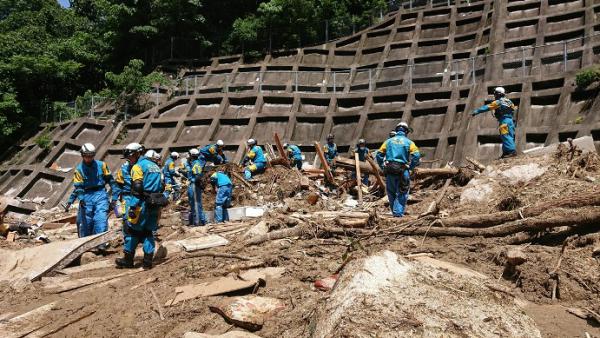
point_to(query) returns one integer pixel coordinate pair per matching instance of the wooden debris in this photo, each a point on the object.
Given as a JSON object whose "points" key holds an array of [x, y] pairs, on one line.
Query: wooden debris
{"points": [[282, 153], [475, 163], [435, 205], [358, 178], [211, 287], [375, 171], [279, 234], [215, 254], [159, 307], [82, 282], [241, 179], [11, 236], [327, 172]]}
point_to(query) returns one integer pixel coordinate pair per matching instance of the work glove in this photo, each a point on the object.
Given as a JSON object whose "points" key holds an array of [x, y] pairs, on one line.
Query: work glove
{"points": [[67, 207]]}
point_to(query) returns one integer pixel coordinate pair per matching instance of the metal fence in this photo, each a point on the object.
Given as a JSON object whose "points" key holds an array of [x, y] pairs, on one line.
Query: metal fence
{"points": [[521, 61]]}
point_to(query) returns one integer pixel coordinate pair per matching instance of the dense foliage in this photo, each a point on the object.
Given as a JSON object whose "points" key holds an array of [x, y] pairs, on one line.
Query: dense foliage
{"points": [[50, 55]]}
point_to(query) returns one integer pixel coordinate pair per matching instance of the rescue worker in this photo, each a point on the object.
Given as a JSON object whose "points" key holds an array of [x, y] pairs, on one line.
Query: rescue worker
{"points": [[401, 157], [379, 157], [195, 188], [142, 208], [504, 111], [221, 183], [153, 156], [214, 153], [123, 178], [254, 161], [170, 174], [294, 154], [362, 151], [89, 180], [330, 150]]}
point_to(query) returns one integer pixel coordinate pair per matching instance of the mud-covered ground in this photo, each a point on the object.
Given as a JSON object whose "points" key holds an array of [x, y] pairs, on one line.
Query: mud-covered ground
{"points": [[117, 310]]}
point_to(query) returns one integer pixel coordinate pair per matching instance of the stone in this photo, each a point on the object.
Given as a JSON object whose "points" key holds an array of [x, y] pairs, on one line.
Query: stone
{"points": [[477, 191], [312, 198], [261, 228], [519, 173], [248, 312], [396, 297], [88, 257], [585, 143]]}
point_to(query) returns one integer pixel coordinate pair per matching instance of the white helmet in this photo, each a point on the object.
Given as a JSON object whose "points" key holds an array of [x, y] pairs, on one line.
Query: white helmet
{"points": [[251, 142], [151, 154], [88, 149], [500, 90], [175, 154], [403, 126], [285, 145], [220, 143], [132, 148], [194, 152]]}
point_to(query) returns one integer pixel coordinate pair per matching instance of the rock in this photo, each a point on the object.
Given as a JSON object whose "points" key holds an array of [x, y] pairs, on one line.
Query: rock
{"points": [[261, 228], [327, 283], [88, 257], [395, 297], [515, 256], [248, 312], [312, 198], [585, 143], [230, 334], [519, 173], [596, 250], [477, 191], [350, 202]]}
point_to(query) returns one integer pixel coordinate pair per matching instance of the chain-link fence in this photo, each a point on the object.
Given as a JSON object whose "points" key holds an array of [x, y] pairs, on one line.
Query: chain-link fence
{"points": [[88, 106], [515, 62]]}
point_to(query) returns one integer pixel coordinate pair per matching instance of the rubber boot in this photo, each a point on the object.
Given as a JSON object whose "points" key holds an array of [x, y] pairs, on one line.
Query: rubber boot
{"points": [[126, 262], [147, 262]]}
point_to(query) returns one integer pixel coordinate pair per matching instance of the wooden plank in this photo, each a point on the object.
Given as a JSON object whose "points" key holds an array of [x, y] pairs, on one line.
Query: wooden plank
{"points": [[376, 172], [328, 175], [79, 283], [358, 178], [282, 153], [240, 178]]}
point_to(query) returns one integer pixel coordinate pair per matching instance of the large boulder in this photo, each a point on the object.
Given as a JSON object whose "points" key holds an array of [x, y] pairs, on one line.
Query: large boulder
{"points": [[387, 296]]}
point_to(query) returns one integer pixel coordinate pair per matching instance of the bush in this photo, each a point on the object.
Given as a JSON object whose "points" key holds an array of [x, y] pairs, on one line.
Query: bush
{"points": [[44, 141], [586, 77]]}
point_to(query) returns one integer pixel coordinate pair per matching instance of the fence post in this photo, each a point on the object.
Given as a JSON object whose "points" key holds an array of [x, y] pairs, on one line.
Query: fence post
{"points": [[296, 81], [370, 80], [410, 70], [565, 56], [473, 69], [326, 30], [195, 83], [156, 96], [186, 86], [523, 64], [334, 85], [92, 107]]}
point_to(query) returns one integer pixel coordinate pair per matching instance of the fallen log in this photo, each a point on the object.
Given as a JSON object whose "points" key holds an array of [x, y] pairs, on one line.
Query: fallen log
{"points": [[567, 218], [375, 170], [422, 173], [435, 205], [327, 170], [279, 234], [241, 179], [486, 220], [281, 151]]}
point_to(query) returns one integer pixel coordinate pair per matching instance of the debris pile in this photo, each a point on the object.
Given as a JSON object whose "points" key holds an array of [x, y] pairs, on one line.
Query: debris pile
{"points": [[484, 250]]}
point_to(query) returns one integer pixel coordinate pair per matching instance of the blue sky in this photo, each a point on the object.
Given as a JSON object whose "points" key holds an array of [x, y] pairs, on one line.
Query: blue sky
{"points": [[64, 3]]}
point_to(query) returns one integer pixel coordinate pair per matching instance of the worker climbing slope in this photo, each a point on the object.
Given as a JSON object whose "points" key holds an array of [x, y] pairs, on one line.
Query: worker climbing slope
{"points": [[254, 161], [504, 111], [142, 208], [294, 155], [89, 181], [401, 157]]}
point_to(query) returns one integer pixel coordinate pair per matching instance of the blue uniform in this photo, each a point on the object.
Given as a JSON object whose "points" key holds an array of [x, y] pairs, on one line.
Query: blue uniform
{"points": [[295, 155], [140, 220], [213, 154], [223, 201], [362, 156], [195, 174], [89, 182], [404, 152], [258, 162], [504, 110], [122, 188], [380, 158], [169, 174], [330, 151]]}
